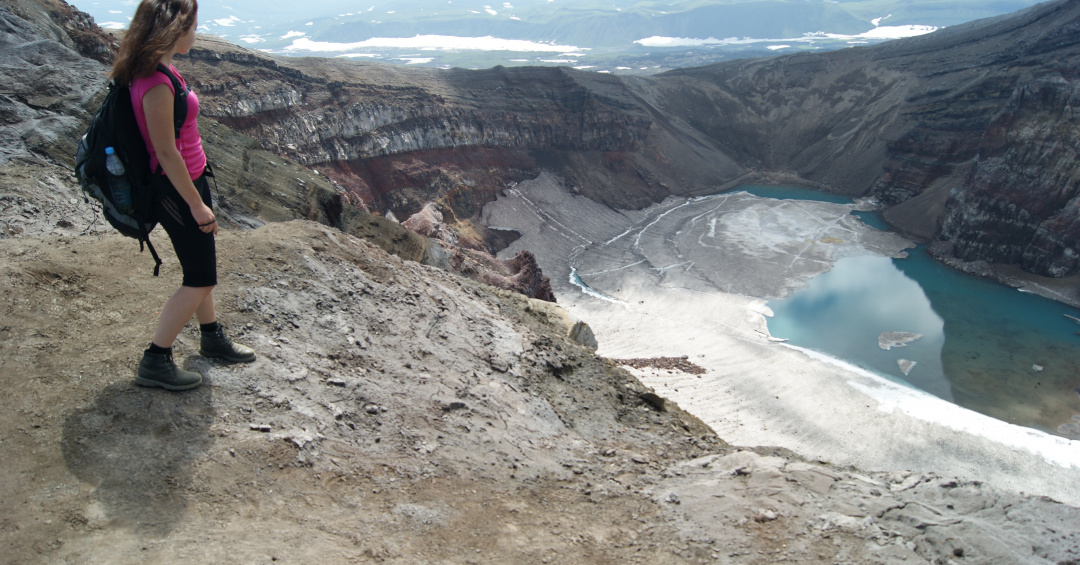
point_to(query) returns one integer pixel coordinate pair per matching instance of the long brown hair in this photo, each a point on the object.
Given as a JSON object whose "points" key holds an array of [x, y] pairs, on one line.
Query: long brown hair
{"points": [[156, 27]]}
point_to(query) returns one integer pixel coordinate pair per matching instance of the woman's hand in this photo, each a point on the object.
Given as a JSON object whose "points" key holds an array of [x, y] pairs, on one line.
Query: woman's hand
{"points": [[204, 216], [158, 107]]}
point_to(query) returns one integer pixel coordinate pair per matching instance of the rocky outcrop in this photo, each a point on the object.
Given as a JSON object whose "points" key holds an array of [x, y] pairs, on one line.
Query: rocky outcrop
{"points": [[520, 273], [60, 22], [526, 274], [424, 238], [47, 83], [1021, 202], [428, 223]]}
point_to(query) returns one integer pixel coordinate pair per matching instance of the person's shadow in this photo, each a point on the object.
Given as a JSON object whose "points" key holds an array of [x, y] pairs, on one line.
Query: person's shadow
{"points": [[137, 447]]}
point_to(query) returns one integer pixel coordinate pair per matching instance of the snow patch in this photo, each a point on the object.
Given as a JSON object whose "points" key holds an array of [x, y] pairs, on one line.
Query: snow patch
{"points": [[432, 42]]}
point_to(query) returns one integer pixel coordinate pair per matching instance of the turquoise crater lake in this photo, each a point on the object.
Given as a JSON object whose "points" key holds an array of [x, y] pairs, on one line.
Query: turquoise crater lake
{"points": [[1011, 355]]}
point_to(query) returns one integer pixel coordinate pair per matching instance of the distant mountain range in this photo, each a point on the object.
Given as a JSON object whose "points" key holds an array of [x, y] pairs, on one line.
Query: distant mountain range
{"points": [[619, 36]]}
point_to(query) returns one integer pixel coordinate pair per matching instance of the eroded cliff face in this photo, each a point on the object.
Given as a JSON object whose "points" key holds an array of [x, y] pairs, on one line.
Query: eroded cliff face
{"points": [[997, 152], [1021, 201], [963, 135], [398, 138]]}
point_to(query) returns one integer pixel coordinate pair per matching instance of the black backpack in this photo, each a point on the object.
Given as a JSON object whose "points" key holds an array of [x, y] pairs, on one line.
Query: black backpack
{"points": [[114, 126]]}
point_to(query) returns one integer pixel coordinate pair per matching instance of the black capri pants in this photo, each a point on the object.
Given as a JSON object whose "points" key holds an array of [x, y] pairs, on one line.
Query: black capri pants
{"points": [[194, 248]]}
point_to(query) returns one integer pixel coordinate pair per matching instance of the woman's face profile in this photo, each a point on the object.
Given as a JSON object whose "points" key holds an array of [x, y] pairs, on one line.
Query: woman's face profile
{"points": [[183, 45]]}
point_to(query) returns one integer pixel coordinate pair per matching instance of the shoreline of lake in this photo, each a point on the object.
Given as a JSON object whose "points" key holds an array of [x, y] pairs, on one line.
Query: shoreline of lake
{"points": [[756, 392], [981, 345]]}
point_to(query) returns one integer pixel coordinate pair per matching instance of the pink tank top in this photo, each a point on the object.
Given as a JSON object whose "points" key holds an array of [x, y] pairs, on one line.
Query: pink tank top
{"points": [[190, 142]]}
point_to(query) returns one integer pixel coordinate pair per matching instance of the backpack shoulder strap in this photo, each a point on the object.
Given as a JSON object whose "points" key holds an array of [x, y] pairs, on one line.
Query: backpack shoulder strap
{"points": [[180, 108]]}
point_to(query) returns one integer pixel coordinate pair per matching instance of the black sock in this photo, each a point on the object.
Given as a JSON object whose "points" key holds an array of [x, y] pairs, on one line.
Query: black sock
{"points": [[158, 350], [209, 328]]}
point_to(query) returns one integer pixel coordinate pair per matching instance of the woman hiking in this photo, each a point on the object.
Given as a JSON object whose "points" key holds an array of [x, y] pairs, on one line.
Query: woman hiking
{"points": [[182, 203]]}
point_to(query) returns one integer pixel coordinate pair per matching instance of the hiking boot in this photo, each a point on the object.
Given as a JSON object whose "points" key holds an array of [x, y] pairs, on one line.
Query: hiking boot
{"points": [[158, 369], [218, 345]]}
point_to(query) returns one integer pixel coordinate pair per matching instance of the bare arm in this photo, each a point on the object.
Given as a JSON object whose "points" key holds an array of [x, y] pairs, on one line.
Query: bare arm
{"points": [[158, 107]]}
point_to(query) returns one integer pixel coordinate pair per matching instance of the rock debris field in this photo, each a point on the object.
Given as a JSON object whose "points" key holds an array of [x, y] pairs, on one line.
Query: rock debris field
{"points": [[668, 364]]}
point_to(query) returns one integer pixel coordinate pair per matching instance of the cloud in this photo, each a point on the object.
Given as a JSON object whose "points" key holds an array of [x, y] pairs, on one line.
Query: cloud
{"points": [[229, 21], [432, 42], [878, 33]]}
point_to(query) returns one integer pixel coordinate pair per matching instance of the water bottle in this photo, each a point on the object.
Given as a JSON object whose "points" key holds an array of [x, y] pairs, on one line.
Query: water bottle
{"points": [[118, 183]]}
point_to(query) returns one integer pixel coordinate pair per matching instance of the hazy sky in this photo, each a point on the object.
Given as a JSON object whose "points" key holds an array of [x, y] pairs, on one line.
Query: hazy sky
{"points": [[561, 32]]}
